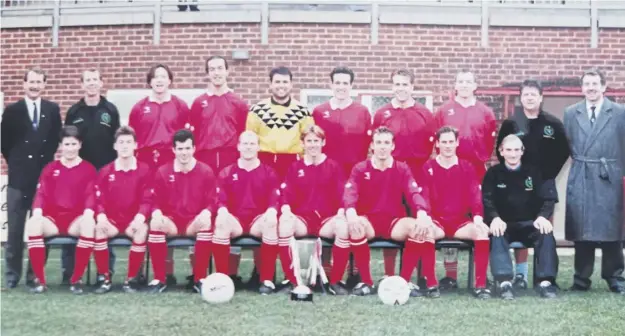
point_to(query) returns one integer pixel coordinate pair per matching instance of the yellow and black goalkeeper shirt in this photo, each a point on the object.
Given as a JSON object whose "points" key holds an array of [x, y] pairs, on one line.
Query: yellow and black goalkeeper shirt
{"points": [[279, 126]]}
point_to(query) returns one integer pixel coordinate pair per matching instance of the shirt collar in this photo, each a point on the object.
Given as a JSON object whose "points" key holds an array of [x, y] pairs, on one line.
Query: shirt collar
{"points": [[396, 104], [133, 165], [309, 163], [287, 104], [471, 103], [333, 105], [598, 105], [178, 168], [152, 99], [453, 163], [390, 161], [30, 102], [211, 93]]}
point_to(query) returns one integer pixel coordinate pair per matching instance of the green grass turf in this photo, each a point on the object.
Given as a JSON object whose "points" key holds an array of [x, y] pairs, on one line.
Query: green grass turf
{"points": [[176, 312]]}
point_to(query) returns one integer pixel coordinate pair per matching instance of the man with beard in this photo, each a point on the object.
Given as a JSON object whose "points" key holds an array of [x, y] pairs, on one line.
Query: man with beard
{"points": [[30, 137], [546, 148]]}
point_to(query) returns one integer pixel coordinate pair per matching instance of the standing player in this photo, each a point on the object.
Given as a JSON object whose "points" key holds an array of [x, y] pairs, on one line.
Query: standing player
{"points": [[343, 121], [477, 128], [184, 198], [64, 205], [517, 205], [453, 191], [248, 203], [373, 208], [279, 122], [124, 202], [546, 147], [218, 118], [312, 197], [155, 119], [412, 125]]}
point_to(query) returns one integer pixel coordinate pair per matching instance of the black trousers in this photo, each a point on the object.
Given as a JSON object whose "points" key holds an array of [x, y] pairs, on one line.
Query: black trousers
{"points": [[545, 255], [611, 262], [18, 204]]}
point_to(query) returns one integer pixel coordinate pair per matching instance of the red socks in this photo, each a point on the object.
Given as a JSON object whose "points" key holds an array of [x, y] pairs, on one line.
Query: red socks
{"points": [[482, 251], [83, 254], [221, 253], [390, 255], [412, 254], [286, 259], [428, 263], [157, 245], [362, 257], [37, 255], [340, 254], [101, 254], [135, 258], [203, 245], [268, 255]]}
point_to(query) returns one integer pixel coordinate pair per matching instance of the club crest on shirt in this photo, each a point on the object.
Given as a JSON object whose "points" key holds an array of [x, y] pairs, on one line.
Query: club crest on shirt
{"points": [[204, 103], [105, 118], [529, 184], [56, 173], [367, 175], [300, 173], [235, 177], [111, 177], [431, 171], [387, 114], [348, 185], [146, 109], [501, 186], [283, 185], [548, 132], [172, 178], [451, 112], [326, 114]]}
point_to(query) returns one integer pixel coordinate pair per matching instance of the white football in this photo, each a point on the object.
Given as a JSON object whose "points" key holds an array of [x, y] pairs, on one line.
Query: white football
{"points": [[394, 291], [217, 288]]}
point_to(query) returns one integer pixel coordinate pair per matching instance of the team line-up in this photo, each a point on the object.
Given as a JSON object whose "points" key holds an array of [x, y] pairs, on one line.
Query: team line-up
{"points": [[275, 171]]}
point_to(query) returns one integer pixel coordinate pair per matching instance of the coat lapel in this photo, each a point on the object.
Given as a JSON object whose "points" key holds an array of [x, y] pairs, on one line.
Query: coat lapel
{"points": [[604, 117], [582, 117]]}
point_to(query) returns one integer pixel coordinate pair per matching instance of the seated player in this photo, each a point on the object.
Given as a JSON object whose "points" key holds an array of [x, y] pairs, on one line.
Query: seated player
{"points": [[184, 198], [248, 201], [64, 205], [124, 196], [452, 189], [373, 202], [517, 203], [312, 199]]}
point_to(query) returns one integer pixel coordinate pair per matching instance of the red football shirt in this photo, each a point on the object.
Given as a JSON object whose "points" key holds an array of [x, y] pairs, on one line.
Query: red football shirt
{"points": [[453, 193], [372, 191], [247, 194], [314, 190], [182, 196], [218, 120], [347, 132], [124, 194], [62, 190], [155, 123]]}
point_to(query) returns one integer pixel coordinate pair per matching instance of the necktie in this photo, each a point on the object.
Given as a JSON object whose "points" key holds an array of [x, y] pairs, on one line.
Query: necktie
{"points": [[35, 116], [593, 117]]}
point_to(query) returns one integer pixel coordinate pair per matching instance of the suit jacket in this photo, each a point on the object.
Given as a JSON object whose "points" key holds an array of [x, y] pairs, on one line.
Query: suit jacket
{"points": [[594, 195], [28, 150]]}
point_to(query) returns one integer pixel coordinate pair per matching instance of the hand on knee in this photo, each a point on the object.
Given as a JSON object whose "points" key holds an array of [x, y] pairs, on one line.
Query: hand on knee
{"points": [[357, 231]]}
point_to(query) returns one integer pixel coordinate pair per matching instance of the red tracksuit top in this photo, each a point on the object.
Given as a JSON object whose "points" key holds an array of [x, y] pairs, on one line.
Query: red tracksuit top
{"points": [[374, 192], [124, 194], [347, 132], [314, 190], [247, 194], [182, 196], [155, 124], [413, 128], [452, 193], [63, 190], [218, 120], [477, 128]]}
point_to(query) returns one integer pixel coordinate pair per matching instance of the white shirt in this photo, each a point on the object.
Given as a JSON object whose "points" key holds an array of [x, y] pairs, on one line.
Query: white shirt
{"points": [[30, 104], [597, 109]]}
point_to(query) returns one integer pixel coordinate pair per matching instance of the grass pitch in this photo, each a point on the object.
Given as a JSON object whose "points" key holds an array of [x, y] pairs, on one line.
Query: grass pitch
{"points": [[175, 312]]}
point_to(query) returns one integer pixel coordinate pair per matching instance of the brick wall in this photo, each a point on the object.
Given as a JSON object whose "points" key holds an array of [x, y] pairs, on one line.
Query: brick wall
{"points": [[435, 53]]}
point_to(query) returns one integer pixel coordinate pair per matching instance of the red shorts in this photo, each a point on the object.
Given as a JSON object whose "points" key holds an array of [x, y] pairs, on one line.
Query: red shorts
{"points": [[451, 226], [279, 162], [382, 225], [155, 157], [247, 222], [63, 221], [313, 223], [218, 159]]}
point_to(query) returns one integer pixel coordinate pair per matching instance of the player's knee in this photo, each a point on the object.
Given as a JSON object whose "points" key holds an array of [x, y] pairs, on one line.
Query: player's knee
{"points": [[270, 230], [357, 231], [34, 227], [286, 228], [100, 233], [340, 229]]}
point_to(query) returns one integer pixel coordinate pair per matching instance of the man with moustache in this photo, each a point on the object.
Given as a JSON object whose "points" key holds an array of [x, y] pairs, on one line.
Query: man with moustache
{"points": [[595, 128], [30, 131]]}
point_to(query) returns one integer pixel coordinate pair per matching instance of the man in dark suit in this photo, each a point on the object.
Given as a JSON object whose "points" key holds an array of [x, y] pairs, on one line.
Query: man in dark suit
{"points": [[30, 137]]}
